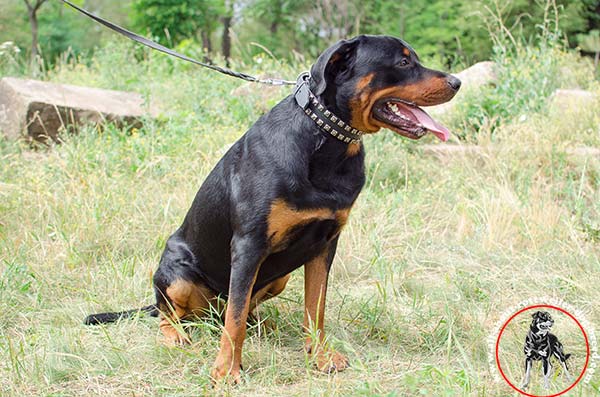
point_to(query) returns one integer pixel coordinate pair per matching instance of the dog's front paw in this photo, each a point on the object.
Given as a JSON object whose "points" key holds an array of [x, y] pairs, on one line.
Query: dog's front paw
{"points": [[546, 384], [223, 371], [172, 336], [330, 361]]}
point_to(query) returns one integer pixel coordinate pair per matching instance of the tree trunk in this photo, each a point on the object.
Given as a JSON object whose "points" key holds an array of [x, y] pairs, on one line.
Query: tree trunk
{"points": [[206, 44], [32, 13], [226, 40], [274, 27], [32, 10]]}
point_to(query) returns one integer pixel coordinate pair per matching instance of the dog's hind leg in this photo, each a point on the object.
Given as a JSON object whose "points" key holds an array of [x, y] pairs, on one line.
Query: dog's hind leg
{"points": [[562, 358], [528, 364], [179, 289]]}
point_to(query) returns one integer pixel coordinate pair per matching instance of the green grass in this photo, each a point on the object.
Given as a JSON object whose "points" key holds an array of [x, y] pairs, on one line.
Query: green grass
{"points": [[435, 250]]}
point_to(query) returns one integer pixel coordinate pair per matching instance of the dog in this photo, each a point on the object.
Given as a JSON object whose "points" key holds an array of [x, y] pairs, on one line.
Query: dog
{"points": [[281, 195], [540, 344]]}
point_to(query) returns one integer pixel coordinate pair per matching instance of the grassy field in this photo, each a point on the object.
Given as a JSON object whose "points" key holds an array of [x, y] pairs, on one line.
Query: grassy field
{"points": [[436, 248]]}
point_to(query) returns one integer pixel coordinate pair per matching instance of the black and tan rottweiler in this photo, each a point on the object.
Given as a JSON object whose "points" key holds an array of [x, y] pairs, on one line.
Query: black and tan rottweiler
{"points": [[540, 344], [279, 198]]}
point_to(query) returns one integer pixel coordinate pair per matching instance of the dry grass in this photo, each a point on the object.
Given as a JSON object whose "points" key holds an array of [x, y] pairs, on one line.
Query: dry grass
{"points": [[436, 249]]}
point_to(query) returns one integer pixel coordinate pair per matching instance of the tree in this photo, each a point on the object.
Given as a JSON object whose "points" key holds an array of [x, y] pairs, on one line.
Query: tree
{"points": [[226, 38], [591, 43], [174, 20], [32, 9]]}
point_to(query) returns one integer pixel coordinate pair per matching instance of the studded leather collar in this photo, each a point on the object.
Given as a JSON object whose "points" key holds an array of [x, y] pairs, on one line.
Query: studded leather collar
{"points": [[325, 119]]}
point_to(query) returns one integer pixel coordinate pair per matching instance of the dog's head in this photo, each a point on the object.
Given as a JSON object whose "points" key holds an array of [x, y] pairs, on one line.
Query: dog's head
{"points": [[542, 322], [378, 81]]}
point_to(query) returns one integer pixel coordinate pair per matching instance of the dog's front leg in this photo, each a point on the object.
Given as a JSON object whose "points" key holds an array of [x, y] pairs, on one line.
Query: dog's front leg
{"points": [[246, 257], [527, 373], [547, 366], [316, 273]]}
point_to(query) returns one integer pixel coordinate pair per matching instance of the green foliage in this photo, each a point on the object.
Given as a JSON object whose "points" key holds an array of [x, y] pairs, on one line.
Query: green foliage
{"points": [[445, 32], [528, 70], [429, 252], [174, 20]]}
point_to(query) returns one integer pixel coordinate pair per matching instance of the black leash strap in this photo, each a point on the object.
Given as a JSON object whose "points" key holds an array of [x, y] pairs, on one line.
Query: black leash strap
{"points": [[168, 51]]}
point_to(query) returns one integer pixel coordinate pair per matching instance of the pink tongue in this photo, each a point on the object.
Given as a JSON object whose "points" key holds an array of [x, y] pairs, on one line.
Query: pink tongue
{"points": [[430, 124]]}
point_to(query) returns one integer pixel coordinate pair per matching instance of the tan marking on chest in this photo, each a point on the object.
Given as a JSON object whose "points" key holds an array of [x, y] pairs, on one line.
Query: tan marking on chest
{"points": [[283, 217], [342, 216], [353, 149]]}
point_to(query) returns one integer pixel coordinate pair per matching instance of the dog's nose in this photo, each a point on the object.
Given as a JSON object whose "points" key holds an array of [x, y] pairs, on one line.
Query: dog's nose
{"points": [[453, 82]]}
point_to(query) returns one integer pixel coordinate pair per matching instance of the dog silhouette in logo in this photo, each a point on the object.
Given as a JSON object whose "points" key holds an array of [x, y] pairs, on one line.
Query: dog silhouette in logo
{"points": [[540, 344]]}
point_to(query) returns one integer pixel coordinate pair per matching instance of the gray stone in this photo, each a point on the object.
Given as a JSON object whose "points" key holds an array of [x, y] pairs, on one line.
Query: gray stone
{"points": [[42, 110], [477, 75], [564, 100], [473, 77]]}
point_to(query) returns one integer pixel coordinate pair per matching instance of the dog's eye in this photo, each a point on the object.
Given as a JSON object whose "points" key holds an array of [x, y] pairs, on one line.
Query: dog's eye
{"points": [[404, 62]]}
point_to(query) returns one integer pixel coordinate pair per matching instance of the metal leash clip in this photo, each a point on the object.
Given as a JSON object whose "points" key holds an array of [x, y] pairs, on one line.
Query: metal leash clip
{"points": [[301, 91]]}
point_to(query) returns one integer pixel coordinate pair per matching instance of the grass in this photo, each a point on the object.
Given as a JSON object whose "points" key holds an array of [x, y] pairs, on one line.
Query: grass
{"points": [[435, 250]]}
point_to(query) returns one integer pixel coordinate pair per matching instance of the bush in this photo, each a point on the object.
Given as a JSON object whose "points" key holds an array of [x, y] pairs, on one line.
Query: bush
{"points": [[527, 75]]}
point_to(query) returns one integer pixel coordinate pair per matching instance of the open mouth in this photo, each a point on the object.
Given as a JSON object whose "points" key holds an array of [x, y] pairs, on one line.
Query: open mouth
{"points": [[407, 119]]}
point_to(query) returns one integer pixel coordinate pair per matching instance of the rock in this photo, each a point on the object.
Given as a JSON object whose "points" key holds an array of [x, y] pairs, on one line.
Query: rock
{"points": [[41, 110], [475, 76], [572, 99]]}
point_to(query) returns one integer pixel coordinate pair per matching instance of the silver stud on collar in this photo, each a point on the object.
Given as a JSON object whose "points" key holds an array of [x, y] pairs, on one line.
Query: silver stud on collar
{"points": [[323, 117]]}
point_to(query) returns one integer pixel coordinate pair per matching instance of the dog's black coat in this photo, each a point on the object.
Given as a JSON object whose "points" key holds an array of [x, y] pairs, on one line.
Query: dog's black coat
{"points": [[283, 155], [224, 242], [540, 344]]}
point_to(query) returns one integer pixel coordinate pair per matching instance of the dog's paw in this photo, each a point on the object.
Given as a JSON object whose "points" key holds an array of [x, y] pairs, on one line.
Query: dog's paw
{"points": [[172, 336], [175, 339], [331, 361], [546, 385], [223, 372]]}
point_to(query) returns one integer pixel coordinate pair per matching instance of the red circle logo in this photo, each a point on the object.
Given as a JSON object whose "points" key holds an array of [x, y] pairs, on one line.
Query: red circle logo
{"points": [[502, 330]]}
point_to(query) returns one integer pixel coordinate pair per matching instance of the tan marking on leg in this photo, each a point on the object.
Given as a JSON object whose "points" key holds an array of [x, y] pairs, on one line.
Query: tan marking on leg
{"points": [[283, 217], [229, 359], [315, 292], [269, 291], [187, 298]]}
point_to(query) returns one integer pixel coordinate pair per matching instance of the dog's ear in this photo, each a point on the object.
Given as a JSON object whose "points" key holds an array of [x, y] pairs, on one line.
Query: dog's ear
{"points": [[536, 314], [337, 59]]}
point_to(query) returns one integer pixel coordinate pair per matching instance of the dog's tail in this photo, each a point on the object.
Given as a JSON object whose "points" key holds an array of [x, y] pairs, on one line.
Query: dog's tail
{"points": [[104, 318]]}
